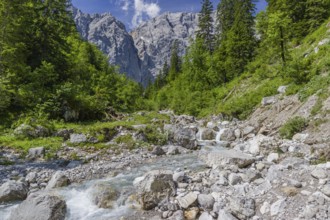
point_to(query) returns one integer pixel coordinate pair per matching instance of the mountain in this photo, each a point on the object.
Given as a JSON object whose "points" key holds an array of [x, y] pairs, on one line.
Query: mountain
{"points": [[141, 53], [110, 36]]}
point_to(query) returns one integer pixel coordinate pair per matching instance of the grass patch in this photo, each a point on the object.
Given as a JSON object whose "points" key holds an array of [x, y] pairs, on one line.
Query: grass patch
{"points": [[292, 127]]}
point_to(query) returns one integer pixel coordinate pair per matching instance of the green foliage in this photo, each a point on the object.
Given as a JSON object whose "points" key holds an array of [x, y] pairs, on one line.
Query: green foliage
{"points": [[47, 69], [292, 126], [205, 26], [154, 135]]}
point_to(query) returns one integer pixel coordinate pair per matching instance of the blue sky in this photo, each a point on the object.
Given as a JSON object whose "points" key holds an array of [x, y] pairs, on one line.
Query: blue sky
{"points": [[133, 12]]}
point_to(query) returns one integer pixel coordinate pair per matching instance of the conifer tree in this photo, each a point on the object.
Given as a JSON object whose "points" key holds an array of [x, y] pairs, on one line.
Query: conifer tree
{"points": [[175, 64], [205, 25], [317, 12], [225, 18]]}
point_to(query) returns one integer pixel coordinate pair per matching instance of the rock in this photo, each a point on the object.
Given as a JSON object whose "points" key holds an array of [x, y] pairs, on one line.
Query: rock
{"points": [[326, 190], [224, 215], [208, 134], [40, 206], [289, 191], [173, 150], [226, 157], [300, 137], [42, 131], [25, 130], [186, 137], [37, 152], [64, 133], [13, 191], [268, 100], [237, 133], [243, 208], [59, 179], [282, 89], [319, 174], [226, 134], [78, 138], [205, 201], [31, 177], [178, 177], [205, 216], [260, 166], [74, 163], [277, 207], [158, 151], [265, 208], [191, 214], [273, 157], [178, 215], [155, 187], [248, 130], [187, 200], [104, 196], [234, 179]]}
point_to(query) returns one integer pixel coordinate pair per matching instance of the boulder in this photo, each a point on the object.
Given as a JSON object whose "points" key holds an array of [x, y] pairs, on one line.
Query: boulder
{"points": [[191, 214], [25, 130], [40, 206], [42, 131], [59, 179], [173, 150], [78, 138], [326, 190], [268, 100], [234, 179], [205, 216], [319, 174], [37, 152], [178, 176], [154, 187], [224, 215], [208, 134], [158, 151], [104, 196], [273, 157], [178, 215], [277, 207], [248, 130], [206, 201], [187, 200], [31, 177], [226, 134], [243, 208], [282, 89], [13, 191], [185, 137], [222, 158]]}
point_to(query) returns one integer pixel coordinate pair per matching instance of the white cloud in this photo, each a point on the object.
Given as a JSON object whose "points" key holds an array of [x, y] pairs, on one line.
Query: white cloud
{"points": [[125, 5], [142, 8]]}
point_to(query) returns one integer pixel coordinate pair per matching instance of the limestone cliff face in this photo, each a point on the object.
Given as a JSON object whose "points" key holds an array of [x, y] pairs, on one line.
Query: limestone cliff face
{"points": [[154, 38], [141, 53], [110, 36]]}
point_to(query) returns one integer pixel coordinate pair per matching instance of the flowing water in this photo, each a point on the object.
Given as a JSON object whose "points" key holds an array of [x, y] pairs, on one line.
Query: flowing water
{"points": [[78, 197]]}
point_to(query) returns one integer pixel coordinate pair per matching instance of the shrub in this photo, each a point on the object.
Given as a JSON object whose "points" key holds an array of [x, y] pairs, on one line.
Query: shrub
{"points": [[293, 126]]}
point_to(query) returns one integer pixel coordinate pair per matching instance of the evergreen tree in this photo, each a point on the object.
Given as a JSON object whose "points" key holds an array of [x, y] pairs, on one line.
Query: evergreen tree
{"points": [[317, 12], [175, 64], [225, 18], [205, 25]]}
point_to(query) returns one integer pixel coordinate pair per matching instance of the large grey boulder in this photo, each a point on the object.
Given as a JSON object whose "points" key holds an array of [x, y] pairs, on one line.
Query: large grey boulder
{"points": [[36, 152], [227, 134], [25, 130], [222, 158], [59, 179], [40, 206], [154, 187], [13, 191], [225, 215], [243, 208], [186, 137], [78, 138], [206, 201], [187, 200], [104, 195]]}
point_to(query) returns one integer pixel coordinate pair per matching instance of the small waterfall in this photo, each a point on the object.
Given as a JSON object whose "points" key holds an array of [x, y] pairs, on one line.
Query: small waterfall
{"points": [[218, 136]]}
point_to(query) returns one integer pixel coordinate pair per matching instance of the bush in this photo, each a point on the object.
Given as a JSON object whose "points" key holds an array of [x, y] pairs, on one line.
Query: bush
{"points": [[293, 126]]}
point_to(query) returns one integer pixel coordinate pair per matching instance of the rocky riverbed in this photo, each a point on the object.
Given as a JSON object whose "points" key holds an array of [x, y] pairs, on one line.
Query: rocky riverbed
{"points": [[210, 169]]}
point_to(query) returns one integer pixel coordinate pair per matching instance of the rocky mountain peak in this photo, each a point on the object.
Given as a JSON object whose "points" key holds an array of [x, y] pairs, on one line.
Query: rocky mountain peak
{"points": [[141, 53]]}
